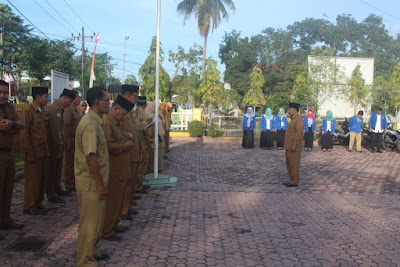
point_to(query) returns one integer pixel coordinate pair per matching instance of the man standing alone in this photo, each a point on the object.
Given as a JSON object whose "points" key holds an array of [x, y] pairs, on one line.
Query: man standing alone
{"points": [[10, 125], [377, 125], [91, 177], [293, 145], [355, 124]]}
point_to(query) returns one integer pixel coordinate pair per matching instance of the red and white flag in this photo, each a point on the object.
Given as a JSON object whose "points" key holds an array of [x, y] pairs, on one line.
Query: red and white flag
{"points": [[92, 77]]}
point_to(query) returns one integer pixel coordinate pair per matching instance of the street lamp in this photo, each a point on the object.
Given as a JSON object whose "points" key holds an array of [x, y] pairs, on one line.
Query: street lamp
{"points": [[123, 72]]}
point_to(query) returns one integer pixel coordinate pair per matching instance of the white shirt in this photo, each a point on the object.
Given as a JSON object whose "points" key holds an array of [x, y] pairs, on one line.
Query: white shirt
{"points": [[378, 128], [268, 124], [328, 126], [282, 123], [310, 122]]}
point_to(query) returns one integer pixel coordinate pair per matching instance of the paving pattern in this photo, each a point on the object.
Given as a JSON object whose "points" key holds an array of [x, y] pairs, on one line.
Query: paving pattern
{"points": [[230, 208]]}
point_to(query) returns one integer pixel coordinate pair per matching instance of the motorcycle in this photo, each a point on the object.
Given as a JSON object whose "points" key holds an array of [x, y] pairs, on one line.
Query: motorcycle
{"points": [[391, 139], [342, 137], [366, 138]]}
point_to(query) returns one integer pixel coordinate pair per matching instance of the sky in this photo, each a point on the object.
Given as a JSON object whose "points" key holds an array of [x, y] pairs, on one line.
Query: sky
{"points": [[115, 19]]}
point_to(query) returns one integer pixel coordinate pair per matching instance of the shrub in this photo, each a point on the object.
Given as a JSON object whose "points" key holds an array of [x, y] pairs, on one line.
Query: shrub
{"points": [[196, 128], [213, 131]]}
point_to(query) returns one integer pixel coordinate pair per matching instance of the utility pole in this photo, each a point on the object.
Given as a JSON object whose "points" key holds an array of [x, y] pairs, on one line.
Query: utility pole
{"points": [[123, 71], [1, 50], [83, 56]]}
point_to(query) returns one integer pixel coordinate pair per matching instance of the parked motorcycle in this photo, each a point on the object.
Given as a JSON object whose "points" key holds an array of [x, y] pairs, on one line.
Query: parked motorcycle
{"points": [[342, 137], [391, 140]]}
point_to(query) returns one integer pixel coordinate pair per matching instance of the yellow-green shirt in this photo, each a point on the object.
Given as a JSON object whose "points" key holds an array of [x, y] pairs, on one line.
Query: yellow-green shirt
{"points": [[90, 139]]}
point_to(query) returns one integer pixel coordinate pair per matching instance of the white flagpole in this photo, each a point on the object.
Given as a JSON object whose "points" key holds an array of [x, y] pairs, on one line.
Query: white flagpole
{"points": [[157, 88]]}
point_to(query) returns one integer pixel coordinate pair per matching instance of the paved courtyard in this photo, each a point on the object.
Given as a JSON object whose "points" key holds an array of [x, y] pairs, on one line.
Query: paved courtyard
{"points": [[230, 208]]}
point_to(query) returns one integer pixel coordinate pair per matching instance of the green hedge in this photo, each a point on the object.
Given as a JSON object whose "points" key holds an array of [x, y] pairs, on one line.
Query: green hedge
{"points": [[196, 129]]}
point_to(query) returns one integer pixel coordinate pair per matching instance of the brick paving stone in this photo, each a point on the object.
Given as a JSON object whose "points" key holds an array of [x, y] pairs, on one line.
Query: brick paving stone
{"points": [[229, 208]]}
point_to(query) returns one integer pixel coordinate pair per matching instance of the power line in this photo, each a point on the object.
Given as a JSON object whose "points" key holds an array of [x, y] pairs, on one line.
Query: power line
{"points": [[51, 16], [61, 16], [28, 20], [380, 10], [78, 16]]}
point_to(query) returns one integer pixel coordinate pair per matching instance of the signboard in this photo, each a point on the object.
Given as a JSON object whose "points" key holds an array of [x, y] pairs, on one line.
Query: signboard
{"points": [[59, 82], [197, 114]]}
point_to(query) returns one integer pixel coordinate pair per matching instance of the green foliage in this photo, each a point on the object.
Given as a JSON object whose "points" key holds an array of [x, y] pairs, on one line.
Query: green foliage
{"points": [[131, 79], [196, 128], [255, 96], [213, 131], [357, 92], [208, 14], [210, 87], [147, 72]]}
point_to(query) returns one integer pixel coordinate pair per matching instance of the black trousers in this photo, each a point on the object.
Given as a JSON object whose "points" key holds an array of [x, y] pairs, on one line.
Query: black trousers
{"points": [[376, 141], [327, 140], [280, 138], [266, 139], [309, 138], [248, 139]]}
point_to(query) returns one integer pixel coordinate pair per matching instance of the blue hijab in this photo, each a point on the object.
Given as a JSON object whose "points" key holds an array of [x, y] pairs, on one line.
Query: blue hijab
{"points": [[249, 116], [269, 116]]}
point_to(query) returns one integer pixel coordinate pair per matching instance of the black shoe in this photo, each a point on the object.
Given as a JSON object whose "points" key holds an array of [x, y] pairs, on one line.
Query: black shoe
{"points": [[359, 151], [65, 193], [379, 151], [43, 208], [11, 225], [146, 187], [292, 185], [57, 200], [136, 197], [349, 150], [133, 212], [134, 203], [286, 183], [126, 218], [102, 257], [121, 229], [36, 211], [1, 237], [114, 238], [372, 151], [165, 156], [142, 191]]}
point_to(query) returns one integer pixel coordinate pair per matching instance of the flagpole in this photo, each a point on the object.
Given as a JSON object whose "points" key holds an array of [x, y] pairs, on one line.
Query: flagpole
{"points": [[157, 88], [93, 59]]}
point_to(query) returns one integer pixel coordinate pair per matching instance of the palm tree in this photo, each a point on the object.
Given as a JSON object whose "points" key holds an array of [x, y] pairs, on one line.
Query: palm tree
{"points": [[208, 15]]}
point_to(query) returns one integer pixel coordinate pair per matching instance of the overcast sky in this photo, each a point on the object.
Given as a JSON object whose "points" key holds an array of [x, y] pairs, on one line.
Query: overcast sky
{"points": [[137, 19]]}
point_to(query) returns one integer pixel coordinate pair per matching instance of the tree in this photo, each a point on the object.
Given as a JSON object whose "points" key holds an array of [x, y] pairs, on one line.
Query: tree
{"points": [[208, 15], [357, 92], [147, 73], [37, 59], [210, 87], [254, 95], [395, 82], [131, 79]]}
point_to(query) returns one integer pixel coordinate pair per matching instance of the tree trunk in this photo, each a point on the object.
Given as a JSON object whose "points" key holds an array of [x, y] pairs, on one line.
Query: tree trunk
{"points": [[204, 56]]}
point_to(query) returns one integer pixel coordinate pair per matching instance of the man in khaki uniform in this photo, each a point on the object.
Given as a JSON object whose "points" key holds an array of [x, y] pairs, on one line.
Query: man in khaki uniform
{"points": [[293, 145], [91, 177], [35, 152], [146, 141], [130, 124], [10, 125], [119, 146], [55, 134], [71, 120]]}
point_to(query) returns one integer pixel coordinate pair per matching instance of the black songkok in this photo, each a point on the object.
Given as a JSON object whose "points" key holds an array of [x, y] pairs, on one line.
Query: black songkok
{"points": [[37, 90], [68, 93], [141, 101], [126, 104], [294, 105], [128, 88]]}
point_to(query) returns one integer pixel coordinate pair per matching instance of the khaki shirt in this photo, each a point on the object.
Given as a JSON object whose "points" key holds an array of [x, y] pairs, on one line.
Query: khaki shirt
{"points": [[55, 131], [130, 124], [71, 118], [118, 149], [147, 136], [90, 139], [294, 134], [7, 112], [34, 137]]}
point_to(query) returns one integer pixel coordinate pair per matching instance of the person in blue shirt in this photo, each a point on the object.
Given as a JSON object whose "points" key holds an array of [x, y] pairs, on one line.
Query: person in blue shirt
{"points": [[309, 128], [377, 125], [328, 128], [280, 124], [249, 123], [355, 125], [267, 125]]}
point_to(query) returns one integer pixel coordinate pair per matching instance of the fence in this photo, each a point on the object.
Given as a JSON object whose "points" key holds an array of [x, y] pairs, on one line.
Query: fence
{"points": [[180, 120]]}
